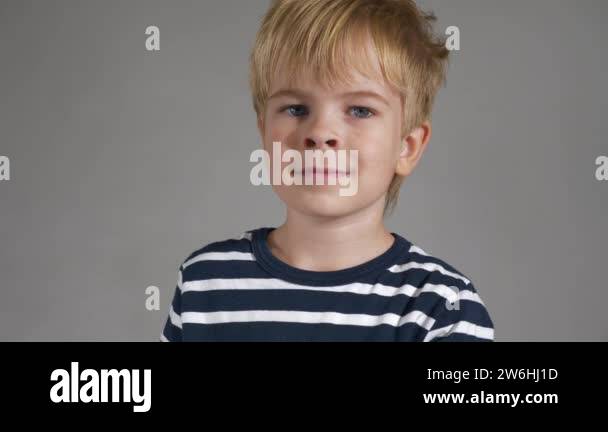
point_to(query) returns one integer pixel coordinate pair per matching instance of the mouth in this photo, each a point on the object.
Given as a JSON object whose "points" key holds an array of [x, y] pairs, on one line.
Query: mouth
{"points": [[327, 171]]}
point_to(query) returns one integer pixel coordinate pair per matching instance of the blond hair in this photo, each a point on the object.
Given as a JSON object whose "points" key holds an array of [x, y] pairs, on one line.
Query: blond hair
{"points": [[324, 38]]}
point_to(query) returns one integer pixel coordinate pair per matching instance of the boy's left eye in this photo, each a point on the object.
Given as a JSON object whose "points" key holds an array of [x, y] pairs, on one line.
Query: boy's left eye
{"points": [[362, 112]]}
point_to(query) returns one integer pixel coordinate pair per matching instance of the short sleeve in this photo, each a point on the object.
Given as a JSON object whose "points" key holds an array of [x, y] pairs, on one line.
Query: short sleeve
{"points": [[172, 331], [463, 319]]}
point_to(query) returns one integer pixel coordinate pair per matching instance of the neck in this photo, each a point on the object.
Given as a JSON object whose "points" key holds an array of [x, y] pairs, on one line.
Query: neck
{"points": [[331, 243]]}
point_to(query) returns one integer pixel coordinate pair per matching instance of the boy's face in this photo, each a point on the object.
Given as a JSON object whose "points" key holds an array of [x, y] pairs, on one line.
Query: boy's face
{"points": [[365, 115]]}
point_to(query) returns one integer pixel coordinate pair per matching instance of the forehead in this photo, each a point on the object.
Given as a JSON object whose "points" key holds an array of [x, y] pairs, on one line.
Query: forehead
{"points": [[355, 82], [355, 68]]}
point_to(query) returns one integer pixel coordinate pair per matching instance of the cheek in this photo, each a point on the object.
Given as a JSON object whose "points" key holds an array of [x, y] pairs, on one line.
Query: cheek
{"points": [[376, 169], [282, 132], [377, 152], [277, 131]]}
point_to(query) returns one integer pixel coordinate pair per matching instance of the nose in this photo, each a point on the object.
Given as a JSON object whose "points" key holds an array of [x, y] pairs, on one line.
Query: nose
{"points": [[320, 135], [311, 142], [331, 143]]}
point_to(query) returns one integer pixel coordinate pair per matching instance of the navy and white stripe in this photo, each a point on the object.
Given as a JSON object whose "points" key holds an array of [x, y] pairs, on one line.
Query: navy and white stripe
{"points": [[236, 290]]}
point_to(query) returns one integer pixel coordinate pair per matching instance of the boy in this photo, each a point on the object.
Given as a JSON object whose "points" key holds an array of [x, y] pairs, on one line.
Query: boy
{"points": [[335, 75]]}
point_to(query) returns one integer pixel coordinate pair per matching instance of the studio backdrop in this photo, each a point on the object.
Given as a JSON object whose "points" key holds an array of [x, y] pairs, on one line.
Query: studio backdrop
{"points": [[119, 160]]}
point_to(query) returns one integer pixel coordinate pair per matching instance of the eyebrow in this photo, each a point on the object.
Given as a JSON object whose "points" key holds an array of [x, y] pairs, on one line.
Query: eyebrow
{"points": [[302, 94]]}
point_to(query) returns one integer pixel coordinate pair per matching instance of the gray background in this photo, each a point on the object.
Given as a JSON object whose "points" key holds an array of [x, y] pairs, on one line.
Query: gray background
{"points": [[124, 161]]}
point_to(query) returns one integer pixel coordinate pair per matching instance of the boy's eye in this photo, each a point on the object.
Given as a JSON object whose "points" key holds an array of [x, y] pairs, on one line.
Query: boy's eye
{"points": [[362, 112], [300, 110], [295, 110]]}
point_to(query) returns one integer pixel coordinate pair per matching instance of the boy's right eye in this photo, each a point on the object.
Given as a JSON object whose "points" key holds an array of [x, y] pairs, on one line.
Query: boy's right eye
{"points": [[295, 110]]}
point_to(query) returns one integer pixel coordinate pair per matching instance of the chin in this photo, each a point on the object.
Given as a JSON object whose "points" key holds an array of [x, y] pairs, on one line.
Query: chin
{"points": [[322, 202]]}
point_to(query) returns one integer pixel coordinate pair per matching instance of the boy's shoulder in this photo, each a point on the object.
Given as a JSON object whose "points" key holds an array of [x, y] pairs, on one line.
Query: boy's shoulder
{"points": [[235, 247], [462, 314], [417, 258]]}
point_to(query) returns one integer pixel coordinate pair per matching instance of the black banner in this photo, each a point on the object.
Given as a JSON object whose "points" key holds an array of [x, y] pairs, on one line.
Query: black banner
{"points": [[152, 380]]}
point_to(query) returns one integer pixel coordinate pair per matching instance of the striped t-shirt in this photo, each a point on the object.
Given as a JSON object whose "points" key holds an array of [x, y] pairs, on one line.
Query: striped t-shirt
{"points": [[237, 290]]}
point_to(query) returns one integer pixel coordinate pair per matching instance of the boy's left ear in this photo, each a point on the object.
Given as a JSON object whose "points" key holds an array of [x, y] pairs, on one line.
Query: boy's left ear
{"points": [[412, 147]]}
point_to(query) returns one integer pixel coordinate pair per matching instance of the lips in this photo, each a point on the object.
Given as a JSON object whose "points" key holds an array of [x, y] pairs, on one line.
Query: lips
{"points": [[326, 171]]}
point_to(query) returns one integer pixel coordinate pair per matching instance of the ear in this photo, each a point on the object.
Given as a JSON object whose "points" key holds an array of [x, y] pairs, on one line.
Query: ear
{"points": [[412, 148]]}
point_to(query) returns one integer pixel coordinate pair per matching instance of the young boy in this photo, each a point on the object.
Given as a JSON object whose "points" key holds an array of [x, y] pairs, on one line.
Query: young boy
{"points": [[335, 75]]}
